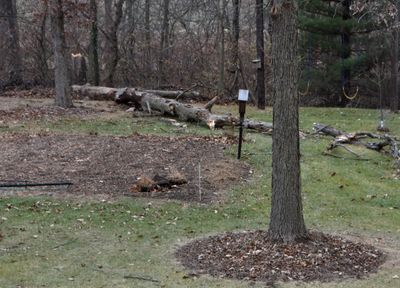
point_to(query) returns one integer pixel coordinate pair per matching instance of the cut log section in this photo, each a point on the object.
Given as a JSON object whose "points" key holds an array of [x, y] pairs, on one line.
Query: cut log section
{"points": [[159, 182]]}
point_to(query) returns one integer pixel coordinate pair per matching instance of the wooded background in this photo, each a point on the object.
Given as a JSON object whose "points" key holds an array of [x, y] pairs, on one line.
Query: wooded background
{"points": [[345, 46]]}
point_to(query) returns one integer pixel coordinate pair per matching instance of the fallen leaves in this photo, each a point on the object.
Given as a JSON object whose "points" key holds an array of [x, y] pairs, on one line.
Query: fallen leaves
{"points": [[252, 256]]}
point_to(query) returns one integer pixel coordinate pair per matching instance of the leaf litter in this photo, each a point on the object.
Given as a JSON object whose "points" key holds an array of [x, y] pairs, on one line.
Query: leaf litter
{"points": [[252, 256]]}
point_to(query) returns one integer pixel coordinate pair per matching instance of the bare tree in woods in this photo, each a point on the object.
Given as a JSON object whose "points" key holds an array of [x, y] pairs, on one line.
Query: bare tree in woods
{"points": [[394, 99], [112, 21], [61, 56], [9, 43], [260, 89], [164, 44], [147, 35], [42, 75], [94, 73], [221, 45], [236, 67], [287, 223]]}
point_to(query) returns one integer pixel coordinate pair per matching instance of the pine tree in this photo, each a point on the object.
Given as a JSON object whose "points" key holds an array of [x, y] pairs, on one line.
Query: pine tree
{"points": [[340, 39]]}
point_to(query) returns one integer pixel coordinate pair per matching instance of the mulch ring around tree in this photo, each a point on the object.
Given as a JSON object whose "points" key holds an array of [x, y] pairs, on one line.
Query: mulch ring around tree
{"points": [[251, 256], [108, 166]]}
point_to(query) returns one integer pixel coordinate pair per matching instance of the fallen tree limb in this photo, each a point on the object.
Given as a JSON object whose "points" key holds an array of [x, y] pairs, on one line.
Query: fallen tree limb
{"points": [[110, 94], [341, 138], [189, 113], [147, 101]]}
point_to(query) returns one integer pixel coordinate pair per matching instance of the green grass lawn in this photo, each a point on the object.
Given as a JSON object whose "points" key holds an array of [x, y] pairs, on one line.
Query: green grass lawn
{"points": [[49, 242]]}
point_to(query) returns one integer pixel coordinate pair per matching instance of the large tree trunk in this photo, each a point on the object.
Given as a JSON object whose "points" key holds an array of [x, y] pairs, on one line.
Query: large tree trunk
{"points": [[108, 93], [221, 46], [235, 70], [42, 53], [94, 72], [61, 56], [164, 45], [147, 38], [287, 223], [111, 43], [394, 98], [260, 89], [10, 60]]}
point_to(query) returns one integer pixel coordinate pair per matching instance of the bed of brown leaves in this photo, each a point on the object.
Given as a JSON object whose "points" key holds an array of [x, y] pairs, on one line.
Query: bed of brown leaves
{"points": [[45, 112], [251, 256]]}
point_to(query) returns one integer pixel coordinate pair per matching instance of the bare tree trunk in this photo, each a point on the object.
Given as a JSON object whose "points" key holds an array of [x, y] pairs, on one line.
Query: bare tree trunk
{"points": [[164, 44], [221, 46], [94, 72], [147, 37], [111, 44], [41, 54], [287, 223], [9, 42], [260, 89], [235, 45], [394, 99], [61, 55]]}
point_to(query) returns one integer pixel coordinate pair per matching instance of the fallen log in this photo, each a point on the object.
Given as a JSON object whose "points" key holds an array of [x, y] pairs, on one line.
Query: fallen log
{"points": [[146, 101], [341, 138], [189, 113], [110, 94]]}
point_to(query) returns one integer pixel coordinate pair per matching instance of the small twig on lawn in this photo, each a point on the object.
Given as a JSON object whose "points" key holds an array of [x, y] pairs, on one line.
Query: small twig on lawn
{"points": [[66, 243], [149, 279], [344, 158], [141, 278]]}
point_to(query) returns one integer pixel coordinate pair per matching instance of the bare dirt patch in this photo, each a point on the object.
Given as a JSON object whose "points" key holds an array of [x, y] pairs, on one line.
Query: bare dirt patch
{"points": [[251, 256], [17, 110], [98, 165]]}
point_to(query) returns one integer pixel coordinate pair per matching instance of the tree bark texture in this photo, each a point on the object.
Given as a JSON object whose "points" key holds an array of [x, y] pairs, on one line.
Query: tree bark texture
{"points": [[221, 46], [164, 44], [42, 75], [394, 81], [111, 49], [147, 37], [62, 63], [287, 223], [10, 60], [107, 93], [260, 89], [235, 70], [94, 71]]}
